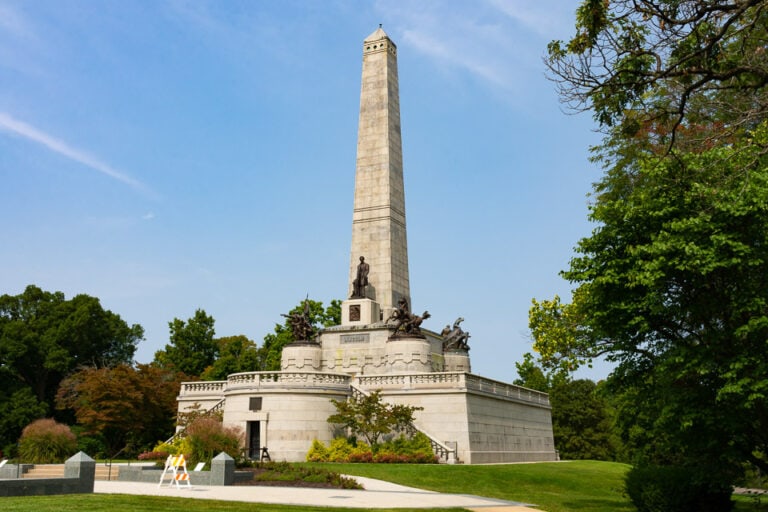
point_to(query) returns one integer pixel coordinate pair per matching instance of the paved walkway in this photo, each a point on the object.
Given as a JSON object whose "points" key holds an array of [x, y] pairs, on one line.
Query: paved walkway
{"points": [[377, 494]]}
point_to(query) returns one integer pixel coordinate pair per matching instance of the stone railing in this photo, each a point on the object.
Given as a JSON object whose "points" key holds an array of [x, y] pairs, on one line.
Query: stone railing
{"points": [[286, 379], [457, 380], [212, 387], [502, 389]]}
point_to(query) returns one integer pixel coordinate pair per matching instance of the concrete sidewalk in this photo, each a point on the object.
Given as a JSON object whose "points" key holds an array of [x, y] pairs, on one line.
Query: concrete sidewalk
{"points": [[377, 494]]}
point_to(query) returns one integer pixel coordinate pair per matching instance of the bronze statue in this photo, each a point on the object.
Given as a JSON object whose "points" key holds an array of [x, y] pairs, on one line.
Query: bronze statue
{"points": [[361, 281], [300, 324], [455, 338], [407, 322]]}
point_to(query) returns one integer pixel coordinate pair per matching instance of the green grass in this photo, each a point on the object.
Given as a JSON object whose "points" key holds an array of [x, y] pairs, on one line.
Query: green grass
{"points": [[119, 502], [585, 486], [578, 486]]}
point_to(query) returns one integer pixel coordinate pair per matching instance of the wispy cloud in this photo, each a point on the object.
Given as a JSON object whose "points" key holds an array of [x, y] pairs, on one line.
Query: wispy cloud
{"points": [[29, 132], [500, 42]]}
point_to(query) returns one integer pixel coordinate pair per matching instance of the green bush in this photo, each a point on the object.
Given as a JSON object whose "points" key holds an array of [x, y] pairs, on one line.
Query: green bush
{"points": [[677, 489], [45, 441], [403, 450], [318, 452]]}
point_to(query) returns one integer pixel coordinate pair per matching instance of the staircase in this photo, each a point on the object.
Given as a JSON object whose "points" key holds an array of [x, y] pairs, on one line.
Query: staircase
{"points": [[443, 453], [57, 471], [45, 471]]}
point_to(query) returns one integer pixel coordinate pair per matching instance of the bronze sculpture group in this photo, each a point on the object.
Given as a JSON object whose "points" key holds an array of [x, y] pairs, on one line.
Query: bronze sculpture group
{"points": [[455, 338], [301, 324], [406, 321]]}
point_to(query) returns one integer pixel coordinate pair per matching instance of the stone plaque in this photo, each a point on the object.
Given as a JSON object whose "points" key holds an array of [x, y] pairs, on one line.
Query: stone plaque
{"points": [[355, 338], [354, 313]]}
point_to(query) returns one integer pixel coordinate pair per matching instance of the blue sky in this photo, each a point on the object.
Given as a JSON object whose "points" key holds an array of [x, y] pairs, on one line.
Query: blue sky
{"points": [[165, 156]]}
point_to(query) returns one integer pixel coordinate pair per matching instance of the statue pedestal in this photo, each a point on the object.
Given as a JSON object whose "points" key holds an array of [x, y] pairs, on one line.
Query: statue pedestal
{"points": [[359, 312], [301, 357], [408, 354], [457, 361]]}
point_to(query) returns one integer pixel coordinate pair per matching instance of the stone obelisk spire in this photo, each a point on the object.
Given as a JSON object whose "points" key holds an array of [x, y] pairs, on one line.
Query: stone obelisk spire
{"points": [[378, 223]]}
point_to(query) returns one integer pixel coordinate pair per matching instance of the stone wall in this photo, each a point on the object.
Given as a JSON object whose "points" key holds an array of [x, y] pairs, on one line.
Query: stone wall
{"points": [[79, 474]]}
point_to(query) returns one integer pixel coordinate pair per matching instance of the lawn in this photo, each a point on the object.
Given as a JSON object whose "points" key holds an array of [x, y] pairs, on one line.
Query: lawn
{"points": [[575, 486], [120, 502], [585, 486], [578, 486]]}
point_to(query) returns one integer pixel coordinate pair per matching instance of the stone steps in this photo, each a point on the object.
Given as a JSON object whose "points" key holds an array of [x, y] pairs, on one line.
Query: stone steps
{"points": [[57, 471]]}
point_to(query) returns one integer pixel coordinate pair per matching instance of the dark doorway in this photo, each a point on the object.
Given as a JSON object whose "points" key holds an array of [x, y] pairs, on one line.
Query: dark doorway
{"points": [[254, 440]]}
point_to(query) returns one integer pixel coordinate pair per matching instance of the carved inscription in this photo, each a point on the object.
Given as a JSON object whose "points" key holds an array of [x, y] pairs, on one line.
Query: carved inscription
{"points": [[355, 338]]}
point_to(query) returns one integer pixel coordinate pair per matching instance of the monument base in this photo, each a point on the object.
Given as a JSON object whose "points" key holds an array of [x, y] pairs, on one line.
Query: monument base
{"points": [[359, 312], [408, 354], [457, 361], [301, 356]]}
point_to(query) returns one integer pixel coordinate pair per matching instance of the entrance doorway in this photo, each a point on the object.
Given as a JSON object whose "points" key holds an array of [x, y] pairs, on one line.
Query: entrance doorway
{"points": [[254, 440]]}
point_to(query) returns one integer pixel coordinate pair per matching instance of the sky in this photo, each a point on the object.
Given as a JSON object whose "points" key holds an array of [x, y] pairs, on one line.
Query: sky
{"points": [[166, 156]]}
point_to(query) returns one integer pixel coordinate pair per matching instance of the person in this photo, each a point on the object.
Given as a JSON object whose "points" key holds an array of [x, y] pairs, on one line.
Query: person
{"points": [[361, 281]]}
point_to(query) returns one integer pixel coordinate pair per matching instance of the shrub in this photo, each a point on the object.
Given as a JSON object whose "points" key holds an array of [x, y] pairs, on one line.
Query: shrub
{"points": [[403, 450], [206, 437], [339, 450], [677, 489], [153, 456], [318, 452], [285, 472], [45, 441]]}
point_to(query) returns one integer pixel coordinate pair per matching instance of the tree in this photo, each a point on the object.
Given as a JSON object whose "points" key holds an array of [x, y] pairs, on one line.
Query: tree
{"points": [[685, 73], [370, 417], [672, 284], [532, 376], [581, 421], [126, 406], [43, 338], [582, 417], [192, 347], [272, 349], [236, 354]]}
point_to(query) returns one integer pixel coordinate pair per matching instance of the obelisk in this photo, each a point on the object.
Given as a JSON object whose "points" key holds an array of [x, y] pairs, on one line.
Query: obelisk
{"points": [[378, 221]]}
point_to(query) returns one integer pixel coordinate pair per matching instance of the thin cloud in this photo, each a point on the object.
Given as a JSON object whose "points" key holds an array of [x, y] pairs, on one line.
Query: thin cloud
{"points": [[500, 42], [26, 131]]}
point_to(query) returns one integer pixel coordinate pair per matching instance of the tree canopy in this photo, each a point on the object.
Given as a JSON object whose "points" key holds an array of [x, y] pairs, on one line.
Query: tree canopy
{"points": [[43, 338], [235, 354], [124, 406], [672, 284], [192, 346]]}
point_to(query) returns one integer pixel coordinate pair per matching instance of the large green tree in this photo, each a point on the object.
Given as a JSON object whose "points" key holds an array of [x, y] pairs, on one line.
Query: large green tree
{"points": [[272, 348], [43, 338], [582, 416], [192, 346], [235, 354], [672, 284]]}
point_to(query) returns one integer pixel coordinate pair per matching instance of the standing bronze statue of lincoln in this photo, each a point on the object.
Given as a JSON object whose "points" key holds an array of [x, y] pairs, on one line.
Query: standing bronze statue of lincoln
{"points": [[361, 281]]}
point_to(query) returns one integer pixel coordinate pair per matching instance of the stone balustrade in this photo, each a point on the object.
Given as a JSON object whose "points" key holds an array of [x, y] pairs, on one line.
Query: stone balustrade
{"points": [[457, 380], [413, 381], [212, 387]]}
